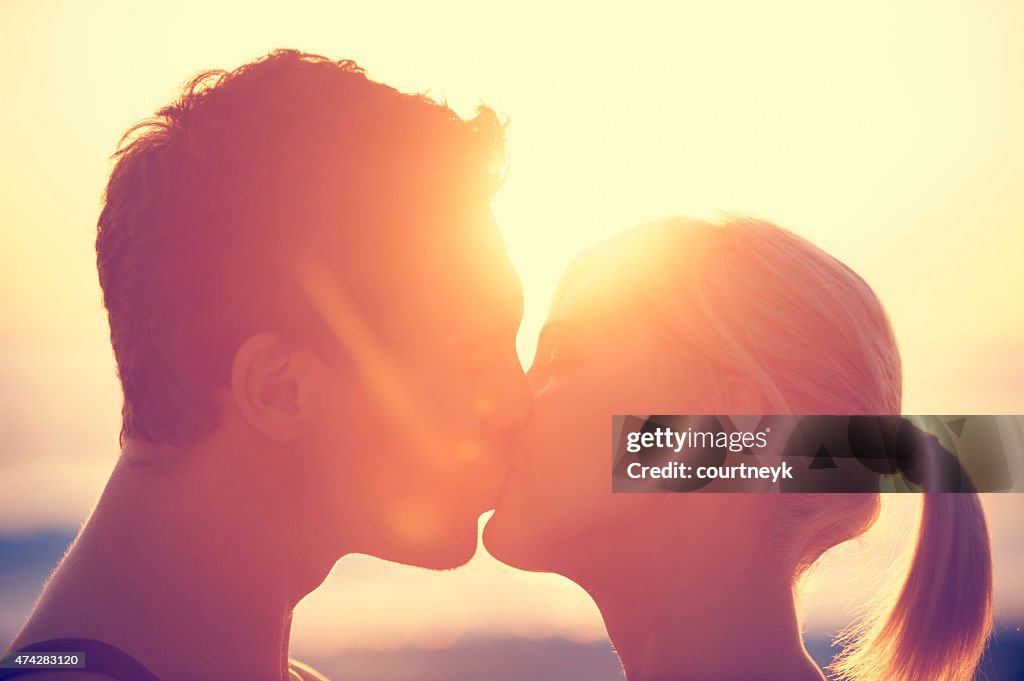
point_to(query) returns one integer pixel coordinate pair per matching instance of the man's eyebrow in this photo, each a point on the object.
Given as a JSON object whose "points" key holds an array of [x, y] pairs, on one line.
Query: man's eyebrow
{"points": [[519, 303], [507, 321], [498, 331]]}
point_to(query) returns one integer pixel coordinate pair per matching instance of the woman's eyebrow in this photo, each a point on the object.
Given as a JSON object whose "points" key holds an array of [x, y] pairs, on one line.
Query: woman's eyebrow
{"points": [[556, 328]]}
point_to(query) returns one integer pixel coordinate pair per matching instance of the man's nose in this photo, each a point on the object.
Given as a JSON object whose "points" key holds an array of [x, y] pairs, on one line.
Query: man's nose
{"points": [[511, 406]]}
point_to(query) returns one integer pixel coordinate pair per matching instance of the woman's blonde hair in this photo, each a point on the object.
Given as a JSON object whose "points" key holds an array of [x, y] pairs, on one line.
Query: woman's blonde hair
{"points": [[758, 301]]}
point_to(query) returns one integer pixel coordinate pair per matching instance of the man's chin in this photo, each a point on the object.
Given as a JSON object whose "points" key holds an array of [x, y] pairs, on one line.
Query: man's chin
{"points": [[445, 553], [450, 560]]}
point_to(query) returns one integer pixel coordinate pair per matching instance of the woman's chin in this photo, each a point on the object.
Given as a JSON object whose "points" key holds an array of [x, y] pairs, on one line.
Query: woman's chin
{"points": [[513, 541]]}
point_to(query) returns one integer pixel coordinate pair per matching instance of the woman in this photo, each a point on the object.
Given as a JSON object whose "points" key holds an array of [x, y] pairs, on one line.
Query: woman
{"points": [[688, 317]]}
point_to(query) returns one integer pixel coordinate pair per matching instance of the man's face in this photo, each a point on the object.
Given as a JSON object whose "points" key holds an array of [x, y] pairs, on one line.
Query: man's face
{"points": [[412, 438]]}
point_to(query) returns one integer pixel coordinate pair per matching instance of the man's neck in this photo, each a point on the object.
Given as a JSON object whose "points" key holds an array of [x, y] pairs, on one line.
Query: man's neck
{"points": [[184, 569]]}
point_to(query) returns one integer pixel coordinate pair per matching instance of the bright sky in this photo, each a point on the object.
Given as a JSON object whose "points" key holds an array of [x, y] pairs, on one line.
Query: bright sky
{"points": [[887, 133]]}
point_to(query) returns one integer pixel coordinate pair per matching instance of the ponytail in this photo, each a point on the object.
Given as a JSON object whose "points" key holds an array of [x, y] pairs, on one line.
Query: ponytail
{"points": [[942, 618]]}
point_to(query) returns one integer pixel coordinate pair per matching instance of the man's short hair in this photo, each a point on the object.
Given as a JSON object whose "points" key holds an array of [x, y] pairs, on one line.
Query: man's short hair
{"points": [[207, 201]]}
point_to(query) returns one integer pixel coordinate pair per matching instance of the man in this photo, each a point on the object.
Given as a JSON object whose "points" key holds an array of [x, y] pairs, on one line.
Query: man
{"points": [[314, 323]]}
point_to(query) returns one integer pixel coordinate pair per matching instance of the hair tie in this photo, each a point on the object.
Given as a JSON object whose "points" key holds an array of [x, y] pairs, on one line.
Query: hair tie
{"points": [[891, 445]]}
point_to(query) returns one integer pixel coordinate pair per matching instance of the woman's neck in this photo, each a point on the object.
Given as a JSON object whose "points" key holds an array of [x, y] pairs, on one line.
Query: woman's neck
{"points": [[698, 618]]}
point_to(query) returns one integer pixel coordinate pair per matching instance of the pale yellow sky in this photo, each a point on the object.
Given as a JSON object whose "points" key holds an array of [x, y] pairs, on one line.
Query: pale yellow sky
{"points": [[887, 133]]}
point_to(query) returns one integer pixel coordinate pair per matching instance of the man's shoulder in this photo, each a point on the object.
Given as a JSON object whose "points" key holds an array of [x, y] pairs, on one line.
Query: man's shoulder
{"points": [[305, 672], [300, 670], [67, 675]]}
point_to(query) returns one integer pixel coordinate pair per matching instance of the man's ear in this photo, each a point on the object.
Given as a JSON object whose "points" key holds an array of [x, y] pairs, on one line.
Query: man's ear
{"points": [[268, 388]]}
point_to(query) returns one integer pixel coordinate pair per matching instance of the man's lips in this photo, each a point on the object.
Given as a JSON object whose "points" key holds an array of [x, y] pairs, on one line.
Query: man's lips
{"points": [[498, 465], [491, 483]]}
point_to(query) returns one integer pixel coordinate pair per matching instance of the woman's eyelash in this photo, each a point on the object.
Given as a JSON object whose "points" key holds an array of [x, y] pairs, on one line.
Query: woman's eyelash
{"points": [[560, 356]]}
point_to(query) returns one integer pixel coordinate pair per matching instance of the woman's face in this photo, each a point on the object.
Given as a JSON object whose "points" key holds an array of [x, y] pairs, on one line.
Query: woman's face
{"points": [[597, 356]]}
